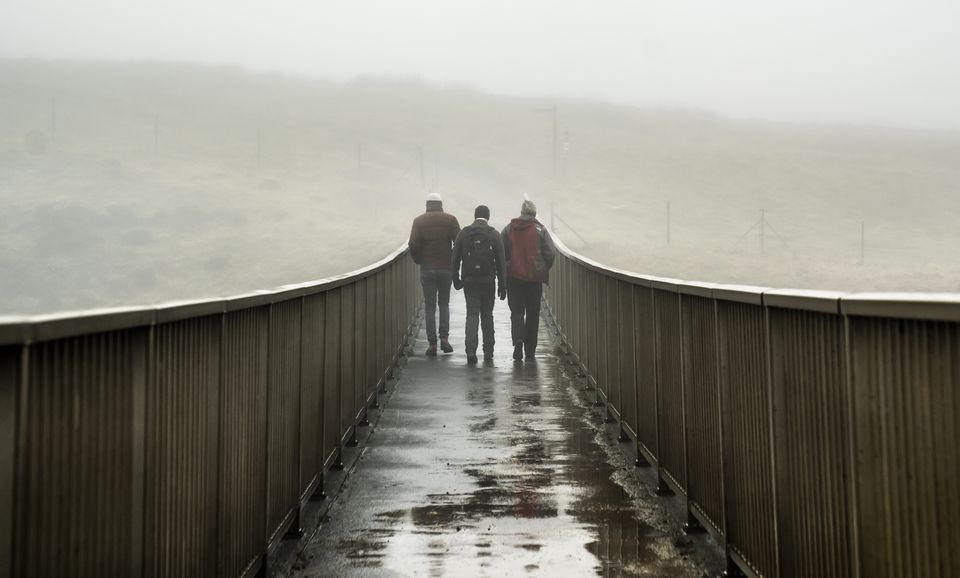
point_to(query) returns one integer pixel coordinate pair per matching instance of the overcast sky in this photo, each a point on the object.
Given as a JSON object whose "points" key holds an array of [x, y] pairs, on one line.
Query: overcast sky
{"points": [[888, 62]]}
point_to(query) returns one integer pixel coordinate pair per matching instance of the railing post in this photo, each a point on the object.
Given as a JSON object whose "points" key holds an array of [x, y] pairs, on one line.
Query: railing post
{"points": [[628, 355], [11, 359], [772, 437], [296, 528], [589, 330], [266, 464], [853, 481], [371, 362], [220, 434], [611, 362], [359, 354], [331, 377], [142, 350], [671, 431], [21, 463], [347, 368], [722, 433]]}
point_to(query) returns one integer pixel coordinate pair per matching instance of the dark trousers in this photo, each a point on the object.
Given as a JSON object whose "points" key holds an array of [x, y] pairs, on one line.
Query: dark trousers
{"points": [[524, 300], [480, 299], [436, 287]]}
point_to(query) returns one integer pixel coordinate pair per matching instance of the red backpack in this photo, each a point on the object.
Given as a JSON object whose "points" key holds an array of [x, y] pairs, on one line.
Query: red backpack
{"points": [[526, 260]]}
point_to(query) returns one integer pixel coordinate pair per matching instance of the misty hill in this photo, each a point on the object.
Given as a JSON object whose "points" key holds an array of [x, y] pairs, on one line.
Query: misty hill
{"points": [[142, 182]]}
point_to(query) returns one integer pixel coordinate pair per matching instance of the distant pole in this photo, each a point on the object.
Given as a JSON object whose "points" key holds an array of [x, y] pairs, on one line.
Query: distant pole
{"points": [[555, 151], [763, 226], [53, 120], [668, 222], [259, 149], [156, 132], [423, 176], [554, 114], [863, 237]]}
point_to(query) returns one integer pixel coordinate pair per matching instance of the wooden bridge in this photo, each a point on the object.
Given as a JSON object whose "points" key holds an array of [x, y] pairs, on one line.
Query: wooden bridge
{"points": [[809, 434]]}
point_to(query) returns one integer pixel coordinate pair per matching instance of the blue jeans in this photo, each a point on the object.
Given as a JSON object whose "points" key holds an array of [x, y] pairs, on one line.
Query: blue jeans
{"points": [[436, 287]]}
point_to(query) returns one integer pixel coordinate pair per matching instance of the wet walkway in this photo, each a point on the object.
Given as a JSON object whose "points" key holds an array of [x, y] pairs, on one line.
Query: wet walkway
{"points": [[501, 469]]}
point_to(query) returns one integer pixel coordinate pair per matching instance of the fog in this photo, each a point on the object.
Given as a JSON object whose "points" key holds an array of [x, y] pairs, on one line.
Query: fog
{"points": [[888, 62], [153, 152]]}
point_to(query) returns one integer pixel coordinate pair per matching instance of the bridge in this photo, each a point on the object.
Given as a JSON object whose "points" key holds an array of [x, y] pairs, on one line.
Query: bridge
{"points": [[806, 434]]}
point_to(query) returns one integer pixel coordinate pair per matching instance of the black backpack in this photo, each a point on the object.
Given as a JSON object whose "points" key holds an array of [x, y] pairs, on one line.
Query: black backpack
{"points": [[478, 253]]}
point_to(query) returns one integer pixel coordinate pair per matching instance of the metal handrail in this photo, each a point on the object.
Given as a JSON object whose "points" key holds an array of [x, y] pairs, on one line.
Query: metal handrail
{"points": [[25, 329], [934, 306]]}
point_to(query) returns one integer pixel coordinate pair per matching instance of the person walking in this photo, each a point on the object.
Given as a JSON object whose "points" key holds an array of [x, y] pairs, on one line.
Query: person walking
{"points": [[431, 247], [478, 268], [530, 252]]}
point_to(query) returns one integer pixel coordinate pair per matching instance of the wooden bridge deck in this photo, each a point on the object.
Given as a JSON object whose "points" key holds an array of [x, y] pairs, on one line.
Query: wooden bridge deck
{"points": [[499, 469]]}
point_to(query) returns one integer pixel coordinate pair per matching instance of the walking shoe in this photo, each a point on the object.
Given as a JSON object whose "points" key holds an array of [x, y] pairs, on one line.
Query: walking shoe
{"points": [[530, 354], [488, 356], [472, 359], [518, 352], [431, 350], [445, 345]]}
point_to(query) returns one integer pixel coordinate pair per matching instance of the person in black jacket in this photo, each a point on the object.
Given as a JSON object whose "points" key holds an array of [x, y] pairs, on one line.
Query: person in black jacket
{"points": [[478, 268]]}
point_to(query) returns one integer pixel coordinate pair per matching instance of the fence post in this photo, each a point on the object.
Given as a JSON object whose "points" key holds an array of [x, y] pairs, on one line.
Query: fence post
{"points": [[862, 241], [763, 227], [53, 121], [668, 222]]}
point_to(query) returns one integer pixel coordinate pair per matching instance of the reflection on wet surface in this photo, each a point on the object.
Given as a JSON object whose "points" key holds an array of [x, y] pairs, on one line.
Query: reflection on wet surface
{"points": [[495, 470]]}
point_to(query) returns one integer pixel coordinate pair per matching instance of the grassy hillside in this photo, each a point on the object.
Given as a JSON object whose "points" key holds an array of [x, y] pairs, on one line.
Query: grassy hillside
{"points": [[99, 209]]}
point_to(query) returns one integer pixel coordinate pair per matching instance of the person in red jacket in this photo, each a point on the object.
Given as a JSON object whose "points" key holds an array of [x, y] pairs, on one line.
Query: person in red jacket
{"points": [[431, 247], [530, 251]]}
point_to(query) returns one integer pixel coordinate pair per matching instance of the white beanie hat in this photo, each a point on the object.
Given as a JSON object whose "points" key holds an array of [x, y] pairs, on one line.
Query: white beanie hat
{"points": [[528, 208], [434, 197]]}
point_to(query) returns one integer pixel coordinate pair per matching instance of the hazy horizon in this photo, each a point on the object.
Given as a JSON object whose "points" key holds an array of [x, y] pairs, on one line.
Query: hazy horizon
{"points": [[113, 209], [156, 151], [886, 64]]}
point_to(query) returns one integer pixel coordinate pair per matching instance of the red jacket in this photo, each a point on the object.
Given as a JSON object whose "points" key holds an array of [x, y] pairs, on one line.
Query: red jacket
{"points": [[529, 250]]}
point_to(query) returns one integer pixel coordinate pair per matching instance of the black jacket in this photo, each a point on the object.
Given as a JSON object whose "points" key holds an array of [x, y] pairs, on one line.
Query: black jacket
{"points": [[495, 241]]}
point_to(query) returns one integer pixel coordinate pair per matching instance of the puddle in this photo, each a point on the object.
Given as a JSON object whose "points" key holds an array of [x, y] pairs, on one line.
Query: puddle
{"points": [[509, 471]]}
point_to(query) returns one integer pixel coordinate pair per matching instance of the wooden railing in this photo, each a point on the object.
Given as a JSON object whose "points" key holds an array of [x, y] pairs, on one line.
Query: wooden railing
{"points": [[814, 434], [183, 439]]}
